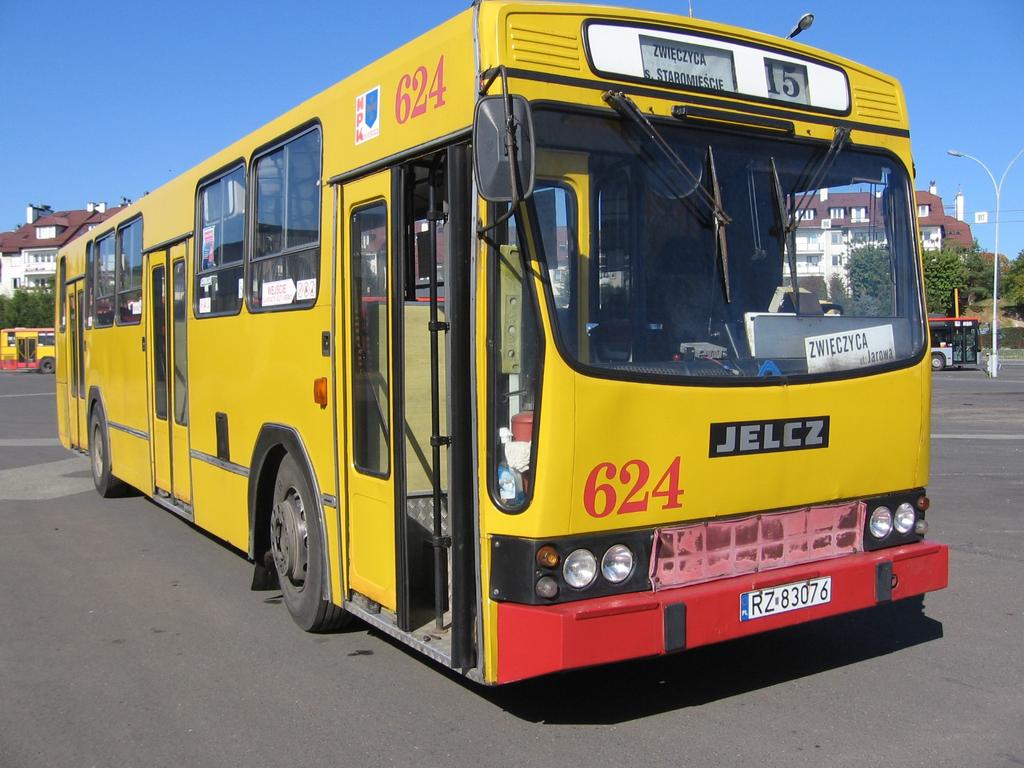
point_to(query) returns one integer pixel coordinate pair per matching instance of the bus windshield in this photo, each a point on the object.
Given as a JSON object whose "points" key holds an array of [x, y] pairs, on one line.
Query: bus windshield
{"points": [[743, 257]]}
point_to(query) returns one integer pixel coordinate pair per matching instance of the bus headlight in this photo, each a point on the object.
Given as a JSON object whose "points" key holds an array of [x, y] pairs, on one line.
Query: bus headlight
{"points": [[903, 520], [617, 563], [580, 569], [881, 522]]}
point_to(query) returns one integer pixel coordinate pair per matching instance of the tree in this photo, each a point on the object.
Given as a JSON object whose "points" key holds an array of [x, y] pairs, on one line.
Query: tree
{"points": [[870, 277], [943, 271], [1012, 291], [978, 279], [27, 308], [837, 293]]}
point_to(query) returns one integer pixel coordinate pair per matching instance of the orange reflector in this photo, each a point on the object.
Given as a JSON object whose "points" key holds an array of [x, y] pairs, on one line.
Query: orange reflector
{"points": [[547, 556], [320, 391]]}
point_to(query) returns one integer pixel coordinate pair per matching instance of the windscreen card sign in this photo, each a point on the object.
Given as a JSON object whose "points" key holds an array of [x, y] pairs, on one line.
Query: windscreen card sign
{"points": [[209, 254], [368, 115], [688, 64], [305, 290], [846, 350], [277, 293]]}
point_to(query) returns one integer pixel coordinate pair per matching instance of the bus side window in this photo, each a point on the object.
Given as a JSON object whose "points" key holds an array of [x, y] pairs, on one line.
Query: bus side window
{"points": [[103, 286], [285, 256], [62, 271], [218, 289], [90, 288], [129, 273], [371, 415], [515, 370]]}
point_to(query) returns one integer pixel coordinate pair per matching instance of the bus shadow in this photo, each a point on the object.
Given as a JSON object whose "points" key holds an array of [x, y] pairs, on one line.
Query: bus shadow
{"points": [[630, 690]]}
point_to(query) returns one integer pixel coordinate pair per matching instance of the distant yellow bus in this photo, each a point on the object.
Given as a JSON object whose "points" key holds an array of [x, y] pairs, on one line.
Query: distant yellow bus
{"points": [[505, 344], [27, 349]]}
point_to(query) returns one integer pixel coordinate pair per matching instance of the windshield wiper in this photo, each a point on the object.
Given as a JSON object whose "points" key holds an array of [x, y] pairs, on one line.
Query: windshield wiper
{"points": [[787, 232], [720, 244], [788, 225], [626, 107]]}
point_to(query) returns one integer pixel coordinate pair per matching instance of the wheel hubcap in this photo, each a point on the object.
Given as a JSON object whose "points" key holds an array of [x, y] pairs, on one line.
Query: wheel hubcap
{"points": [[289, 542]]}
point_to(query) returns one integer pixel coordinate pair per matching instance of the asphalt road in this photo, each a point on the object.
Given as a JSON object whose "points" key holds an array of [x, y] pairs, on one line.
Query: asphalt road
{"points": [[127, 638]]}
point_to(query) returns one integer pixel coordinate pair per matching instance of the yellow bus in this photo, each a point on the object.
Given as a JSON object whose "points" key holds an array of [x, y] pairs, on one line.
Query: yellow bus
{"points": [[507, 344], [27, 349]]}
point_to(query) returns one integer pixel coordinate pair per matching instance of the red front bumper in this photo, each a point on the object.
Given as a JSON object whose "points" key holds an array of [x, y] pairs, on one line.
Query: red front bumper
{"points": [[536, 640]]}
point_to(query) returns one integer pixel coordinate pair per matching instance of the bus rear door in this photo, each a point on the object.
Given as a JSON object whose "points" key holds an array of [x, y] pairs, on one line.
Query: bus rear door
{"points": [[75, 369], [167, 305]]}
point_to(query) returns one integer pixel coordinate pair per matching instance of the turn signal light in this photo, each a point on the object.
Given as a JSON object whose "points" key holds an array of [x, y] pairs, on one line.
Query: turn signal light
{"points": [[320, 391], [547, 556], [923, 502]]}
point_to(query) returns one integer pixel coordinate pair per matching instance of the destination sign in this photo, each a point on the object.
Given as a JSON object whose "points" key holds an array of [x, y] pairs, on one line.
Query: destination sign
{"points": [[688, 60], [787, 81], [683, 63]]}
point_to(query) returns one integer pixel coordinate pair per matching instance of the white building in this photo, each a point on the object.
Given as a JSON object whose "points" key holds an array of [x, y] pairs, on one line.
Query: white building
{"points": [[835, 223]]}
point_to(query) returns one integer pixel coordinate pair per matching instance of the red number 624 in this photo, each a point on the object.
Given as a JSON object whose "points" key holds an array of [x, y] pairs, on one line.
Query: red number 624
{"points": [[605, 481], [412, 96]]}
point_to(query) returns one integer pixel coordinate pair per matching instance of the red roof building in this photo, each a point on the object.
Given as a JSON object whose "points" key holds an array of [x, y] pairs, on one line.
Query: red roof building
{"points": [[836, 222], [28, 254]]}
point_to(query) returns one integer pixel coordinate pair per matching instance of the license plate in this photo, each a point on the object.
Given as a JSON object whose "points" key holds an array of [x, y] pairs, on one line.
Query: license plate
{"points": [[785, 597]]}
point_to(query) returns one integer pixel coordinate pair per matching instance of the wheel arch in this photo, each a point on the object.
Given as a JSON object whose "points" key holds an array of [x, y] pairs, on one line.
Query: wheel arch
{"points": [[95, 400], [273, 442]]}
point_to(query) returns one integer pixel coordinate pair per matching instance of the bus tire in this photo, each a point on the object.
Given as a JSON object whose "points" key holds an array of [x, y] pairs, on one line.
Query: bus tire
{"points": [[296, 549], [46, 365], [938, 362], [103, 478]]}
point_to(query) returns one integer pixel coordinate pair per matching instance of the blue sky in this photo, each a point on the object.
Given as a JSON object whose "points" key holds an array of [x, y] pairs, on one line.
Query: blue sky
{"points": [[101, 101]]}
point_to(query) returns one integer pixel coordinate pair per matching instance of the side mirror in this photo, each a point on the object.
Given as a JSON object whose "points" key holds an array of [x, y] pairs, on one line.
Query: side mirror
{"points": [[491, 141]]}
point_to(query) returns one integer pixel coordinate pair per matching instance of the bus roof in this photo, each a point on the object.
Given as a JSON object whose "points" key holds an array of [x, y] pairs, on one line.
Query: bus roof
{"points": [[874, 97]]}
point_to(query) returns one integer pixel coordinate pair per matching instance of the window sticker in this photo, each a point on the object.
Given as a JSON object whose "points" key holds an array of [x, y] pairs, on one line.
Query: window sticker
{"points": [[204, 305], [368, 115], [277, 293], [856, 348], [241, 287], [209, 259], [305, 289]]}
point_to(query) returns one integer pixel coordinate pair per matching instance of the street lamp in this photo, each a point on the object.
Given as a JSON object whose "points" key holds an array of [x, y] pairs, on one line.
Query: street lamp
{"points": [[801, 26], [993, 360]]}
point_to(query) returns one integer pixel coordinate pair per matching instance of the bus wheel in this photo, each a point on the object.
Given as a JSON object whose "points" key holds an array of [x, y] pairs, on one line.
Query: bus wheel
{"points": [[106, 484], [938, 363], [297, 550], [46, 365]]}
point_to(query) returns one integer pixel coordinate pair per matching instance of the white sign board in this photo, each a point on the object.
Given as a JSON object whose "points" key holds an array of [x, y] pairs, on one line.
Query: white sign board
{"points": [[690, 61], [278, 293], [845, 350], [981, 217]]}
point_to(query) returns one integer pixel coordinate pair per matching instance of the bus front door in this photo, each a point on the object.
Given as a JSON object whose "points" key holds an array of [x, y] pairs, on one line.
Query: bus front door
{"points": [[364, 355], [397, 230], [166, 307]]}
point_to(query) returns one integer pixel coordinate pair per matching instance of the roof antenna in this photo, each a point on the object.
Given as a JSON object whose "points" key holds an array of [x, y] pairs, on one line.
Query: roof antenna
{"points": [[805, 23]]}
